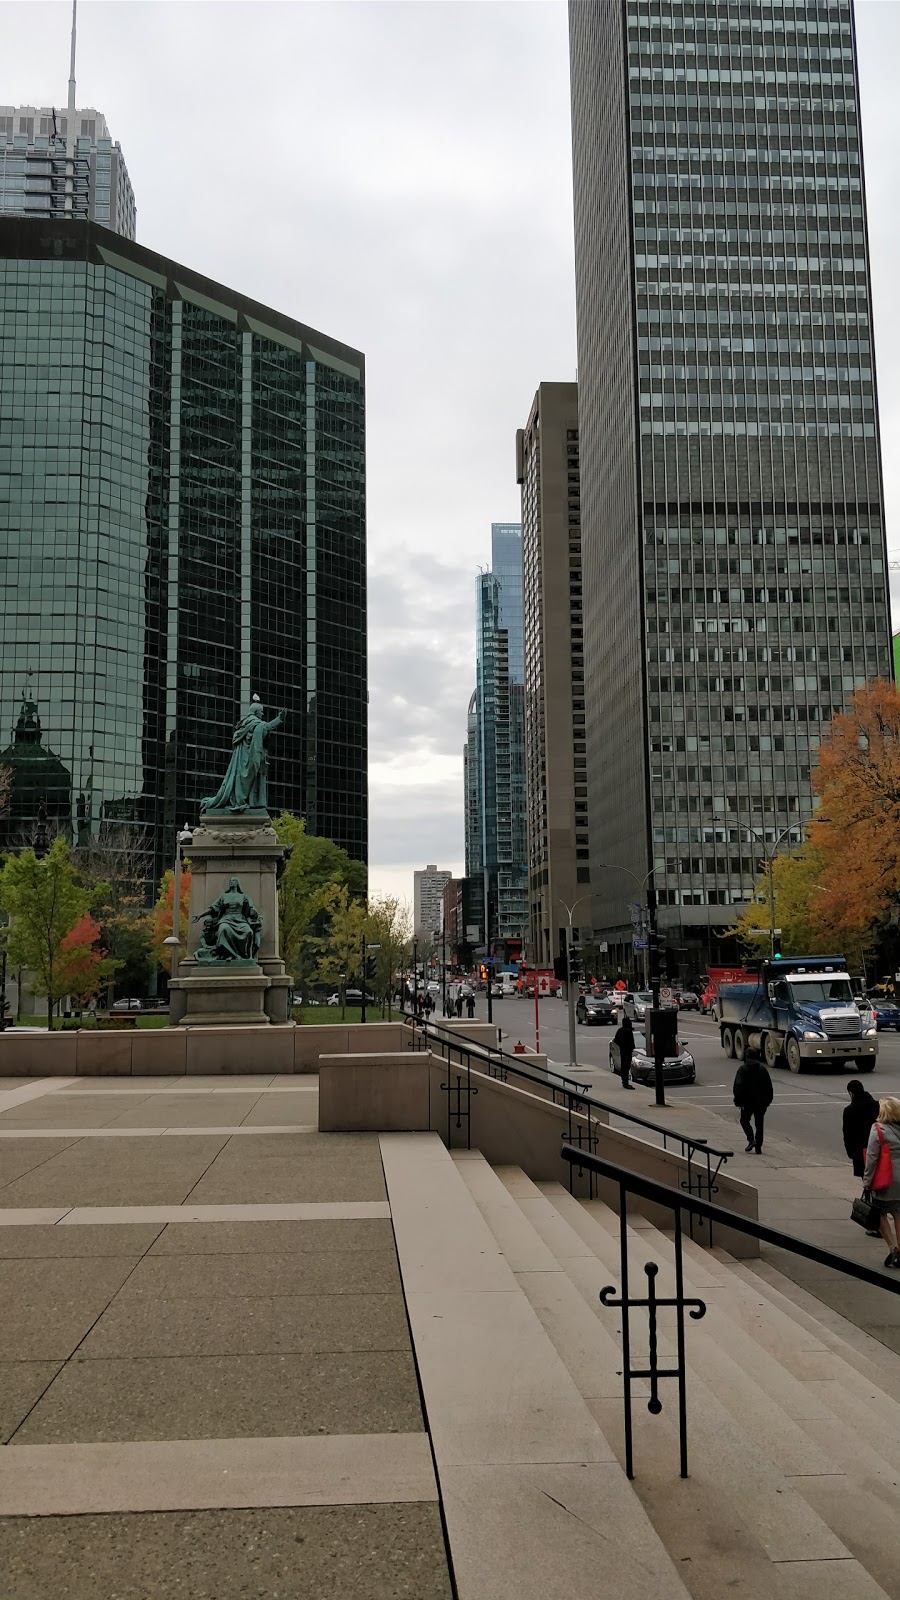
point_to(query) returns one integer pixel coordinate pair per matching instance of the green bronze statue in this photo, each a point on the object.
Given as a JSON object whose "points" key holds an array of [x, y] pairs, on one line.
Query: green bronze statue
{"points": [[243, 787], [232, 927]]}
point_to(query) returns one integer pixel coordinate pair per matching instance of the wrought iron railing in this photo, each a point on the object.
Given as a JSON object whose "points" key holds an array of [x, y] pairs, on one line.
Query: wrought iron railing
{"points": [[676, 1201], [583, 1126]]}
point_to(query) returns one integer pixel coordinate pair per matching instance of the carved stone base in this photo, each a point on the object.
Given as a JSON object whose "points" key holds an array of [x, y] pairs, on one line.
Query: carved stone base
{"points": [[220, 999]]}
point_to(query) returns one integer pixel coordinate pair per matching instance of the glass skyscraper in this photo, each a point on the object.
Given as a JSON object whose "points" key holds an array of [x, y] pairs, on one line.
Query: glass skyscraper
{"points": [[35, 170], [494, 760], [732, 517], [182, 524]]}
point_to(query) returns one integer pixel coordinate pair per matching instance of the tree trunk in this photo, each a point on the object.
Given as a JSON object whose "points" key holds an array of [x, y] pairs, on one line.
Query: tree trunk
{"points": [[49, 1014]]}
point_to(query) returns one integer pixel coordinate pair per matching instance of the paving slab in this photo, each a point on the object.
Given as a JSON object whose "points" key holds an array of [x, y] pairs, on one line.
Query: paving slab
{"points": [[207, 1474], [21, 1384], [226, 1397], [265, 1326], [223, 1277], [248, 1177], [186, 1110], [274, 1107], [92, 1112], [106, 1172], [301, 1211], [369, 1552], [46, 1242], [251, 1238], [18, 1157], [47, 1307]]}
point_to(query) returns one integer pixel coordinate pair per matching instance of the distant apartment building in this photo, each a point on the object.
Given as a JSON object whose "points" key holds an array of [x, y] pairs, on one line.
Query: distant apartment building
{"points": [[494, 758], [428, 890], [36, 179], [555, 749], [463, 912]]}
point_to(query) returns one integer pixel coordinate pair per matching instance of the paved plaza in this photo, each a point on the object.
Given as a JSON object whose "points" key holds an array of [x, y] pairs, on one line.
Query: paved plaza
{"points": [[207, 1386]]}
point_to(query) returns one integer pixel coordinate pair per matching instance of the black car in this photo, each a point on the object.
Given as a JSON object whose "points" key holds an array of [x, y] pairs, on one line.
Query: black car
{"points": [[595, 1008], [676, 1069], [887, 1013]]}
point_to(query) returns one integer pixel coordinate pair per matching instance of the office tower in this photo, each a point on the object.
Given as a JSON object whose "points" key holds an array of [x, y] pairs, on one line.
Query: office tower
{"points": [[182, 524], [428, 892], [494, 762], [732, 510], [33, 168], [463, 916], [556, 762]]}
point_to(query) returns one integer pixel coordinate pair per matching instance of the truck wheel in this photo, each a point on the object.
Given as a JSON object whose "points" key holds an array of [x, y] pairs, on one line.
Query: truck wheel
{"points": [[728, 1042], [740, 1044], [864, 1064], [794, 1059], [772, 1049]]}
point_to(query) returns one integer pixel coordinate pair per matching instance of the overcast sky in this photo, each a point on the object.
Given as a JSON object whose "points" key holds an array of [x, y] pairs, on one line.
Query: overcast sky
{"points": [[399, 176]]}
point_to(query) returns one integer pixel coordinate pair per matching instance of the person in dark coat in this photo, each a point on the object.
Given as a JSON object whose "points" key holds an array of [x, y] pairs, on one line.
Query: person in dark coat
{"points": [[470, 1006], [753, 1094], [859, 1117], [624, 1038]]}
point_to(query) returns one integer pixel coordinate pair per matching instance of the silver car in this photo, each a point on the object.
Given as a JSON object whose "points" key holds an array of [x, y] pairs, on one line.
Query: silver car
{"points": [[637, 1005], [676, 1069]]}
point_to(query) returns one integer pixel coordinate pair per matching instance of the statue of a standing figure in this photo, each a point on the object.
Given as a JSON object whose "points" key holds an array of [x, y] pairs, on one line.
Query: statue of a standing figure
{"points": [[243, 787], [232, 927]]}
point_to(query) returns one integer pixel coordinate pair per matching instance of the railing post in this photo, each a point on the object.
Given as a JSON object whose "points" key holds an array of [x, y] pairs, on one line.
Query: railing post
{"points": [[626, 1327], [679, 1327]]}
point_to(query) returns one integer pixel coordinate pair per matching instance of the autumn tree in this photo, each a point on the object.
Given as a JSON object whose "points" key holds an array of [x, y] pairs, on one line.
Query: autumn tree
{"points": [[44, 900], [120, 855], [388, 925], [84, 967], [159, 922], [340, 954]]}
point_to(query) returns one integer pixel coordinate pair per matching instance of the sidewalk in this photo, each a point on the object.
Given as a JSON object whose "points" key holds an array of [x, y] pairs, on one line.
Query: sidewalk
{"points": [[207, 1385]]}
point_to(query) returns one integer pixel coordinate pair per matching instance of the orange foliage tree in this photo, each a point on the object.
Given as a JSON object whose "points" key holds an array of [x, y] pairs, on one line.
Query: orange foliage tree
{"points": [[83, 966], [161, 916], [856, 829]]}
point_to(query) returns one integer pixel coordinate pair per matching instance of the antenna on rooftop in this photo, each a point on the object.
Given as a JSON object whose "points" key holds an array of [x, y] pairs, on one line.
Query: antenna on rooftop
{"points": [[70, 126]]}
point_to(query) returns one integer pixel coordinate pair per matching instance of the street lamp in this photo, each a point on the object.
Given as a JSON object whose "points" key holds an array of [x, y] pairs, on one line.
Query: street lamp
{"points": [[182, 838], [652, 940], [570, 987], [366, 947]]}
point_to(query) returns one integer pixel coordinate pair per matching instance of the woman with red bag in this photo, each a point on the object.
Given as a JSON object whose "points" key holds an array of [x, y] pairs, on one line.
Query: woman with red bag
{"points": [[882, 1175]]}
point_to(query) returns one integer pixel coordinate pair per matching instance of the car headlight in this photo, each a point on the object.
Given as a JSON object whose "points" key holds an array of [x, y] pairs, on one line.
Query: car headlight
{"points": [[813, 1033], [871, 1028]]}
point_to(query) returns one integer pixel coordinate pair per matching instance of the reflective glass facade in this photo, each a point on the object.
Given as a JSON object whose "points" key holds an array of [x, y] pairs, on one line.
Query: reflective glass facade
{"points": [[496, 835], [734, 547], [35, 169], [182, 517]]}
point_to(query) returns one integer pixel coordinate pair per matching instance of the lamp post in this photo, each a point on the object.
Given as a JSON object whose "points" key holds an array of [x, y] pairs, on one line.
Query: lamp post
{"points": [[415, 977], [570, 986], [644, 884], [769, 852], [183, 837], [366, 947]]}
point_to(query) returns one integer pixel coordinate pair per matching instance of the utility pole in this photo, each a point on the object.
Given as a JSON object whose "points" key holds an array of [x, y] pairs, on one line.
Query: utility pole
{"points": [[570, 983]]}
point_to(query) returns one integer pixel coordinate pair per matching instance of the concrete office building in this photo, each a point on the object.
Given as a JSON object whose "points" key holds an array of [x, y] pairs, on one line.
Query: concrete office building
{"points": [[182, 524], [732, 512], [34, 168], [494, 757], [428, 893], [555, 749]]}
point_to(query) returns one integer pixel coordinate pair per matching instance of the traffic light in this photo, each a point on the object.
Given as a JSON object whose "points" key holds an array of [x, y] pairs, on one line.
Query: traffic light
{"points": [[776, 946], [482, 970], [560, 967]]}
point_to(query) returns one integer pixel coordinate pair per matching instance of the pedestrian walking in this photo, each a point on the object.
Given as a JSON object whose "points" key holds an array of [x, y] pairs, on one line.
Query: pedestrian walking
{"points": [[753, 1095], [624, 1038], [859, 1118], [470, 1006], [459, 1002], [882, 1175]]}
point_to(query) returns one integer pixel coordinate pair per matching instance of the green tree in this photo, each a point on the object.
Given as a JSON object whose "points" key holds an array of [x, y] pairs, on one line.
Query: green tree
{"points": [[315, 868], [44, 900], [340, 955], [389, 925]]}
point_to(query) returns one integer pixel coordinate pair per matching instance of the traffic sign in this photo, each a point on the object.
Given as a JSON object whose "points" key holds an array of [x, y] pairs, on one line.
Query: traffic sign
{"points": [[639, 944], [620, 985], [665, 994]]}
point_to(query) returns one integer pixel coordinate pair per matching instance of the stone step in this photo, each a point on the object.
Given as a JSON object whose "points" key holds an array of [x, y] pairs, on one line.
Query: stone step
{"points": [[738, 1522], [532, 1493]]}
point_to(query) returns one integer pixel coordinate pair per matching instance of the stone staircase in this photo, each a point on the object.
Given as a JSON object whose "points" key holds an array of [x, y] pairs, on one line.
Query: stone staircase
{"points": [[793, 1422]]}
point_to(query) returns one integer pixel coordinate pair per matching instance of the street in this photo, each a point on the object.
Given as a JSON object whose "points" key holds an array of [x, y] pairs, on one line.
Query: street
{"points": [[806, 1110]]}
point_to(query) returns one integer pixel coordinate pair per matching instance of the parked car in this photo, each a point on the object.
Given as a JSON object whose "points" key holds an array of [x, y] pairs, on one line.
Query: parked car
{"points": [[333, 1000], [637, 1005], [886, 1012], [127, 1005], [676, 1069], [594, 1008]]}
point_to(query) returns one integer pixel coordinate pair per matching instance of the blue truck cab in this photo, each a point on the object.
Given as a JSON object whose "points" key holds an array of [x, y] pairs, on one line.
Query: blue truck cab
{"points": [[800, 1011]]}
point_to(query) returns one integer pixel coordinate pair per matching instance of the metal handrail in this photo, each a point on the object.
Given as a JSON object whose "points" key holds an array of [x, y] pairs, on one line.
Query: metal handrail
{"points": [[676, 1201], [513, 1064]]}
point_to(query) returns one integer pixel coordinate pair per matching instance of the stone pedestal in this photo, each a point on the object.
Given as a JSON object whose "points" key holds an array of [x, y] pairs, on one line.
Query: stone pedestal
{"points": [[233, 845]]}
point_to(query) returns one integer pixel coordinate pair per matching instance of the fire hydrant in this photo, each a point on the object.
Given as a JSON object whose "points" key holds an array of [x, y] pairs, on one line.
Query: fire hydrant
{"points": [[518, 1049]]}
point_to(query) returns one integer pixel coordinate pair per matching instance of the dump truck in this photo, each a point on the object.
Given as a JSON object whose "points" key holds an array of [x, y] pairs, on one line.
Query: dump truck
{"points": [[800, 1012]]}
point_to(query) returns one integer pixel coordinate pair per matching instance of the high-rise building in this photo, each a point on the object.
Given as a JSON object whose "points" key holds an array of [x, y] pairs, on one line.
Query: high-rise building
{"points": [[732, 514], [494, 759], [34, 168], [182, 524], [555, 749], [428, 892]]}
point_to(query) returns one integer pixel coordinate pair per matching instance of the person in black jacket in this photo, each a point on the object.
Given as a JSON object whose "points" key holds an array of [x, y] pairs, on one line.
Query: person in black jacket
{"points": [[859, 1117], [753, 1094], [624, 1038]]}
